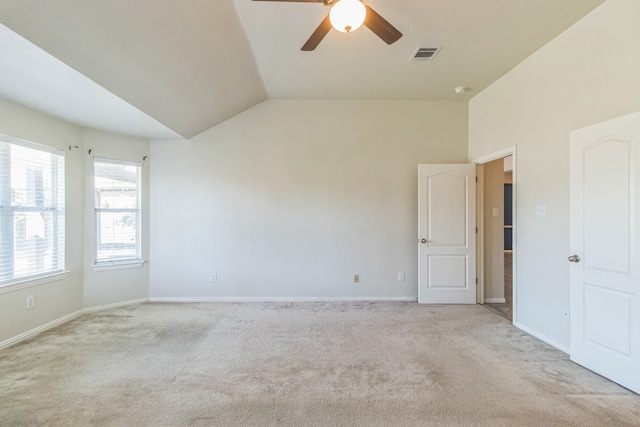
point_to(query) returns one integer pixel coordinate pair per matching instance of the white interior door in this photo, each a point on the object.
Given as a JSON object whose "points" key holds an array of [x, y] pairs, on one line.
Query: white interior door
{"points": [[447, 234], [605, 284]]}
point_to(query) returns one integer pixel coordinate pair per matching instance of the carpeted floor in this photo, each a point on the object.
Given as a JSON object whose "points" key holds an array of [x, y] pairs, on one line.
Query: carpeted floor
{"points": [[300, 364]]}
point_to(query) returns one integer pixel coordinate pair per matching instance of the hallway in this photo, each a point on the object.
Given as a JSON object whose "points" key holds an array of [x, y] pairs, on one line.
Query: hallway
{"points": [[506, 309]]}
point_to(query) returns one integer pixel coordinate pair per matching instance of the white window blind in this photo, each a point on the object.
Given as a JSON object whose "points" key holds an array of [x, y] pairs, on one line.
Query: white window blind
{"points": [[117, 210], [31, 211]]}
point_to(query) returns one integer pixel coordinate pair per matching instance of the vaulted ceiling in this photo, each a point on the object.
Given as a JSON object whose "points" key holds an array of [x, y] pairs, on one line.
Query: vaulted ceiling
{"points": [[163, 68]]}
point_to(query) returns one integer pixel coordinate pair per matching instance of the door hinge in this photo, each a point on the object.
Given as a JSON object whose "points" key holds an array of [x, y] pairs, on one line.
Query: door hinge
{"points": [[476, 230], [476, 280], [476, 179]]}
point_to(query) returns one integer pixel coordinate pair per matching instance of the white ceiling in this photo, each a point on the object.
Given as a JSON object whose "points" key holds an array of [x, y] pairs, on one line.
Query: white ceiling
{"points": [[481, 40], [182, 66]]}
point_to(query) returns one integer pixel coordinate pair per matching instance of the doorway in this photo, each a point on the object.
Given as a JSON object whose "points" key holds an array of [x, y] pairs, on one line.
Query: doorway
{"points": [[496, 222], [498, 232]]}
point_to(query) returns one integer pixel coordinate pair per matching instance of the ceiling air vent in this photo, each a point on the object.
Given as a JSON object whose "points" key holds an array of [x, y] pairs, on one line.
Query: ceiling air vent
{"points": [[425, 53]]}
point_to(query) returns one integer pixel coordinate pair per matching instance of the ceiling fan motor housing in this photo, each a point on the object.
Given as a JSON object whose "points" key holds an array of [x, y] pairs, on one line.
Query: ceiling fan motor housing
{"points": [[371, 19], [347, 15]]}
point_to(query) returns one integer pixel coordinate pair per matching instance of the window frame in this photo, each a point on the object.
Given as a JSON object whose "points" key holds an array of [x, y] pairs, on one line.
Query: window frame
{"points": [[57, 209], [123, 261]]}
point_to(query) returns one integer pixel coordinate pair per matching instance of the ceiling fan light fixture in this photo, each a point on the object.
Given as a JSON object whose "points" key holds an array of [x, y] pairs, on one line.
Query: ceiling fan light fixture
{"points": [[347, 15]]}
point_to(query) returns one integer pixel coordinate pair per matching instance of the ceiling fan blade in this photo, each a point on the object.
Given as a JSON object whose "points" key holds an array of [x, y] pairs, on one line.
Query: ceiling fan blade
{"points": [[381, 27], [317, 35]]}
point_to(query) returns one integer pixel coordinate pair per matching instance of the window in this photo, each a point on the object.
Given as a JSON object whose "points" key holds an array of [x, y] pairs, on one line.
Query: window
{"points": [[117, 209], [31, 211]]}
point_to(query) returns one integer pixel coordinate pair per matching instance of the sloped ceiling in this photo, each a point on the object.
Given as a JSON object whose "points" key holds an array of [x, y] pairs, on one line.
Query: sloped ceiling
{"points": [[185, 63], [191, 64]]}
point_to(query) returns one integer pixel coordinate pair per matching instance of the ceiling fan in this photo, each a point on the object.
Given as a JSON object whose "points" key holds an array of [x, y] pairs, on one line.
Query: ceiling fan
{"points": [[347, 16]]}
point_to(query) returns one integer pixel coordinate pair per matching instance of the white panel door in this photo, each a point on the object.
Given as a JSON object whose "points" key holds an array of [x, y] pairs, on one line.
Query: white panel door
{"points": [[446, 234], [605, 255]]}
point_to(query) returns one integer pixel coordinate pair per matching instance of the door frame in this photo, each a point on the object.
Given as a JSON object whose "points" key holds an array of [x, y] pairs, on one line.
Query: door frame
{"points": [[479, 162]]}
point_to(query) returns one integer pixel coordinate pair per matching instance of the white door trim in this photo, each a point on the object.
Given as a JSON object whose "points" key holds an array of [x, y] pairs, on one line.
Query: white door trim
{"points": [[505, 152], [480, 234], [508, 151]]}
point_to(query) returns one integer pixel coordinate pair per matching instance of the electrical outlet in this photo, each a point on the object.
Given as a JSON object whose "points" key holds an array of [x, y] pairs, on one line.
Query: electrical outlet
{"points": [[356, 278], [31, 302], [541, 210], [400, 277], [213, 277]]}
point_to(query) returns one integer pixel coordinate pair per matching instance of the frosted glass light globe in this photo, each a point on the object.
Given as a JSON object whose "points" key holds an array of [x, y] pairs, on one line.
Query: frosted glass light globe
{"points": [[347, 15]]}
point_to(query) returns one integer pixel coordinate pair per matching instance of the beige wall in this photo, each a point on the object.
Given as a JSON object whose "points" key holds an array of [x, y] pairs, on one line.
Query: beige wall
{"points": [[292, 198], [82, 287], [62, 297], [493, 232], [586, 75]]}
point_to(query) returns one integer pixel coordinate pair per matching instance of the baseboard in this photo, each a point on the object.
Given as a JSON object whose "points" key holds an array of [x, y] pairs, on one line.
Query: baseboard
{"points": [[40, 329], [542, 338], [65, 319], [495, 300], [282, 299], [115, 305]]}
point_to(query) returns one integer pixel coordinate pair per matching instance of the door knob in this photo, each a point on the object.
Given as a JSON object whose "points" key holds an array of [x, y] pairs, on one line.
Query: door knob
{"points": [[423, 240], [574, 258]]}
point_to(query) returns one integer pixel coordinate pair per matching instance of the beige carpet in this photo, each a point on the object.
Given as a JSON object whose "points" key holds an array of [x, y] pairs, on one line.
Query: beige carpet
{"points": [[303, 364]]}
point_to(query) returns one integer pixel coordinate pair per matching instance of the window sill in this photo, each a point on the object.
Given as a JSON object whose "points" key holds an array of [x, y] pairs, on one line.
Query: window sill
{"points": [[118, 265], [28, 283]]}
